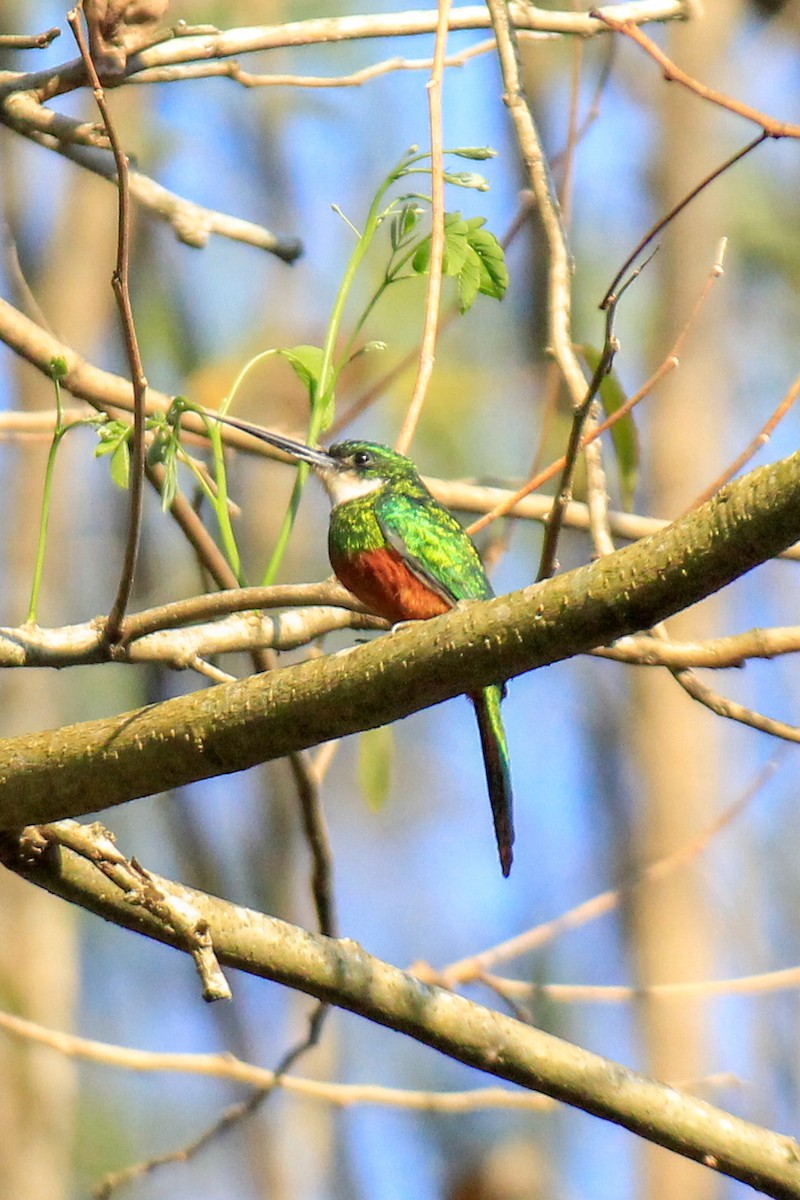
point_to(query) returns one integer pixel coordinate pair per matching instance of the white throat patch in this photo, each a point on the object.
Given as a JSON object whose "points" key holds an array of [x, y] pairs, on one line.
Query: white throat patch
{"points": [[342, 486]]}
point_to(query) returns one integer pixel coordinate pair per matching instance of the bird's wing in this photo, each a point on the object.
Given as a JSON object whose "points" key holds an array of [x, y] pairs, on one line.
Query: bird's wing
{"points": [[434, 546]]}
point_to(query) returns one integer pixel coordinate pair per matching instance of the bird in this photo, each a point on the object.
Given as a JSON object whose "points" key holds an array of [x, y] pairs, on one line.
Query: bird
{"points": [[405, 556]]}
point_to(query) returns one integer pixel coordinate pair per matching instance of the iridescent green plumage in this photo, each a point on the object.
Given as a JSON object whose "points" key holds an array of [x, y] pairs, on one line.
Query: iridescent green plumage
{"points": [[396, 548]]}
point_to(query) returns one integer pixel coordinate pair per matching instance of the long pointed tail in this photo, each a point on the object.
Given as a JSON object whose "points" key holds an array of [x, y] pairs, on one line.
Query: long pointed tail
{"points": [[498, 771]]}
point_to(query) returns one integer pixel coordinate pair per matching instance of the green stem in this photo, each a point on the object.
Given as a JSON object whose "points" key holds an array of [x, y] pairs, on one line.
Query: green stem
{"points": [[218, 499], [38, 569], [391, 276], [220, 502], [322, 392]]}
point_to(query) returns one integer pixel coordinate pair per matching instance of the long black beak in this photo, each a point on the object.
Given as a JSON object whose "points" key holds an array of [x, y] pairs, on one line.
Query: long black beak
{"points": [[296, 450]]}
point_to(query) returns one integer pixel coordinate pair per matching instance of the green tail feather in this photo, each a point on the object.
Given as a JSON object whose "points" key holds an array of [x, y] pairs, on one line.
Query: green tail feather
{"points": [[498, 769]]}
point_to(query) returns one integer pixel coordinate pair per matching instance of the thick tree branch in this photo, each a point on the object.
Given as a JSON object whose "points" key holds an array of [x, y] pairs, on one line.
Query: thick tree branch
{"points": [[85, 767], [342, 973]]}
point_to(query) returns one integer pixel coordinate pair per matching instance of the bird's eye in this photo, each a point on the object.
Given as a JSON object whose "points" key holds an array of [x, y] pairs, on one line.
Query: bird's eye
{"points": [[362, 458]]}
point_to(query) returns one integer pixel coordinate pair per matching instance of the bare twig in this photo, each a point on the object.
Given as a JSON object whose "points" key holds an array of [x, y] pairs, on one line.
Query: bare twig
{"points": [[433, 294], [474, 967], [721, 653], [316, 834], [559, 269], [673, 73], [355, 78], [97, 845], [233, 600], [234, 1070], [191, 223], [770, 128], [758, 442], [217, 44], [23, 41], [764, 983], [662, 223], [25, 113], [731, 709], [668, 364], [121, 286]]}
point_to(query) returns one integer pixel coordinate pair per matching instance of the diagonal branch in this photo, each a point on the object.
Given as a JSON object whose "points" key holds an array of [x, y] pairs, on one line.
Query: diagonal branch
{"points": [[96, 764], [342, 973]]}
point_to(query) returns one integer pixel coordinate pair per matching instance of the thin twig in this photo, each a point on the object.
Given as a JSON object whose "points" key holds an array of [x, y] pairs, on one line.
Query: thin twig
{"points": [[722, 653], [355, 78], [555, 521], [758, 443], [476, 965], [433, 294], [662, 223], [731, 709], [559, 266], [674, 74], [668, 364], [316, 834], [23, 41], [231, 1116], [763, 983], [191, 223], [121, 286], [233, 600], [227, 1067]]}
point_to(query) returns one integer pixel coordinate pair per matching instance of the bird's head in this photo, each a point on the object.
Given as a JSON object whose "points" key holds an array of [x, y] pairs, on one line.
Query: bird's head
{"points": [[347, 470]]}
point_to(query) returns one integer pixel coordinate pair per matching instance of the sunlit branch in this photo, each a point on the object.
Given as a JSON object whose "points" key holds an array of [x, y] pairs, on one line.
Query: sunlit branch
{"points": [[234, 1070], [764, 983], [233, 726], [341, 972], [672, 73], [358, 27], [353, 79], [759, 441]]}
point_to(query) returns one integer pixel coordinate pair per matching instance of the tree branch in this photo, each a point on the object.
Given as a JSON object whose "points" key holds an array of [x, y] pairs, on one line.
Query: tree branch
{"points": [[95, 764], [342, 973]]}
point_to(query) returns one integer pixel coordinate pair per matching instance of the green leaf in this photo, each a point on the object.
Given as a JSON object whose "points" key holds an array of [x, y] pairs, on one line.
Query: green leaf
{"points": [[456, 247], [494, 273], [375, 758], [110, 434], [306, 362], [58, 369], [169, 485], [120, 464], [469, 281], [472, 255], [625, 438]]}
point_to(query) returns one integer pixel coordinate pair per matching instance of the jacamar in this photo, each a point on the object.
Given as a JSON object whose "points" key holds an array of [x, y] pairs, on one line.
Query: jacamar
{"points": [[405, 556]]}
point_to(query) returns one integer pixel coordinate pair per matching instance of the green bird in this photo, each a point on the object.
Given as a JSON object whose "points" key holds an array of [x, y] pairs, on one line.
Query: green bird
{"points": [[407, 558]]}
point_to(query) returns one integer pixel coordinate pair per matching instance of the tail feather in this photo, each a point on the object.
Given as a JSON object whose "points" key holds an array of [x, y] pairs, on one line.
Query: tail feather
{"points": [[498, 771]]}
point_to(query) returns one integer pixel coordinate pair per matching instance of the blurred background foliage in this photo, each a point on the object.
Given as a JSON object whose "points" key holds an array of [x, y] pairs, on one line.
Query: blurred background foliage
{"points": [[613, 766]]}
